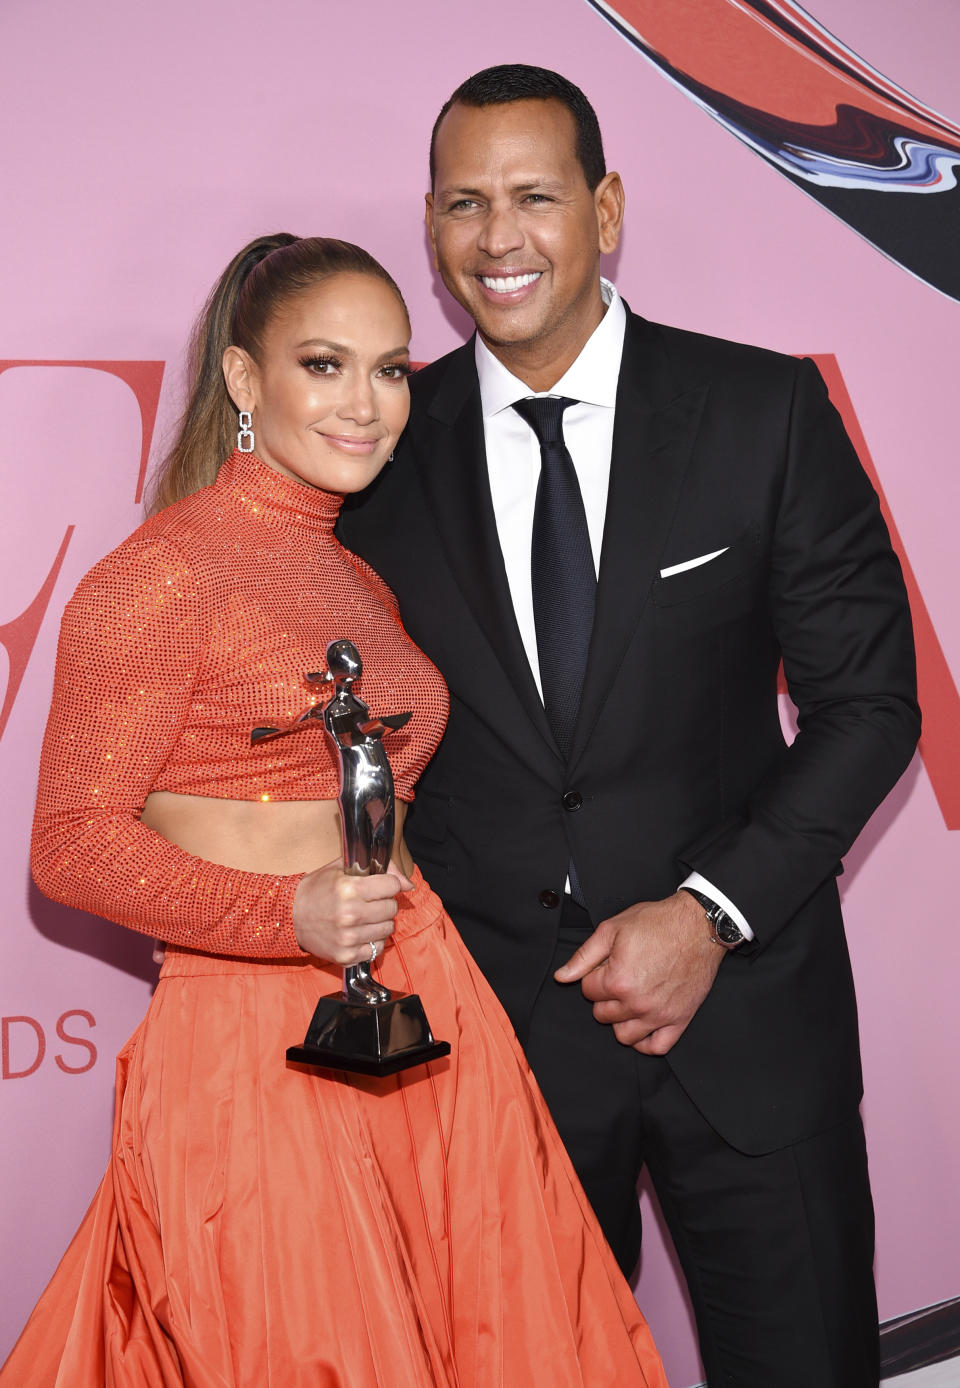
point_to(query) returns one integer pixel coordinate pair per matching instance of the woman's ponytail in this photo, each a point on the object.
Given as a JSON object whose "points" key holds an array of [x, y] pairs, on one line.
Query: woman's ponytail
{"points": [[208, 425]]}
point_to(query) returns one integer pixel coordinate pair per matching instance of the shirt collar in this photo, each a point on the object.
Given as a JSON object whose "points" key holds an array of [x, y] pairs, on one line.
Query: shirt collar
{"points": [[592, 378]]}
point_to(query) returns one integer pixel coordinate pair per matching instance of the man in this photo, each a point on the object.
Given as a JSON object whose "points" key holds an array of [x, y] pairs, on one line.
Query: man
{"points": [[615, 738]]}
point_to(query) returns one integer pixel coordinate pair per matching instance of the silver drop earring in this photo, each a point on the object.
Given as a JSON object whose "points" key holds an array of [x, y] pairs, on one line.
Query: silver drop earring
{"points": [[245, 439]]}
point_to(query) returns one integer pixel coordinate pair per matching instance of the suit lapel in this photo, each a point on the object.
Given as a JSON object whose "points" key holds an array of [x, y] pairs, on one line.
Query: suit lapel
{"points": [[451, 460], [657, 420]]}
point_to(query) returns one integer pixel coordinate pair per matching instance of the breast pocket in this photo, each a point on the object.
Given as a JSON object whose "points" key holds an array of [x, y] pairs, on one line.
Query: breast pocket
{"points": [[718, 590]]}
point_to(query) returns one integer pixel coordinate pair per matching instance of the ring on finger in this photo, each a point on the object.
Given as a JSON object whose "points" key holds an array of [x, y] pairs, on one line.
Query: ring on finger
{"points": [[376, 949]]}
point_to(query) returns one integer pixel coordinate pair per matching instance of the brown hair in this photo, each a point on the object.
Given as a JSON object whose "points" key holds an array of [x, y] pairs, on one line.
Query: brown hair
{"points": [[259, 279]]}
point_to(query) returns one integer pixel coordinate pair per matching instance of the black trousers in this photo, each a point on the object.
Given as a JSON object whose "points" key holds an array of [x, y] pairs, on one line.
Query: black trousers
{"points": [[777, 1249]]}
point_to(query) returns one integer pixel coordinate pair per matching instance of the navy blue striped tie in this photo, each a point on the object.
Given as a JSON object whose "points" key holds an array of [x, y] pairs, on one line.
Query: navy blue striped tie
{"points": [[561, 568]]}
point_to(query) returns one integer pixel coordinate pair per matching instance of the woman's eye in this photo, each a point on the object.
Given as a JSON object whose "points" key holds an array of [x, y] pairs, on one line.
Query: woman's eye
{"points": [[321, 366], [396, 371]]}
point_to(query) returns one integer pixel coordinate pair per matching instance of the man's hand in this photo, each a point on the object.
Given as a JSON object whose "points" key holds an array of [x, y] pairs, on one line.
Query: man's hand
{"points": [[647, 970]]}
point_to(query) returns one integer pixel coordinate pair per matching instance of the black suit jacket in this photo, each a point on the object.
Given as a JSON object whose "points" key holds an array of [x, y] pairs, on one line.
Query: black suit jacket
{"points": [[679, 757]]}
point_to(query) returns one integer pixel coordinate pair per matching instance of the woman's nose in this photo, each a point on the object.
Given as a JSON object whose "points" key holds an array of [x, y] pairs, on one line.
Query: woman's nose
{"points": [[360, 402]]}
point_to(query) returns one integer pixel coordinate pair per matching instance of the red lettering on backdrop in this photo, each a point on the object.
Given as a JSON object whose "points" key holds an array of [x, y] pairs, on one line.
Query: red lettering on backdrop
{"points": [[77, 1041], [939, 699], [19, 636], [8, 1072], [12, 1068], [145, 379]]}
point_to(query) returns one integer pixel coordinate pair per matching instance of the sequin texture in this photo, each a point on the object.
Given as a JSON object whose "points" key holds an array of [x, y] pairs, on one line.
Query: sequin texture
{"points": [[194, 630]]}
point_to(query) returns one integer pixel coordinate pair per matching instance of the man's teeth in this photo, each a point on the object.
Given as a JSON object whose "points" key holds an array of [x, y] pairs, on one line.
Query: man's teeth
{"points": [[509, 283]]}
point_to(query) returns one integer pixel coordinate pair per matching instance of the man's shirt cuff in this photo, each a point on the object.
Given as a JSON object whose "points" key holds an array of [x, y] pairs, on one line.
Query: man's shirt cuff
{"points": [[700, 884]]}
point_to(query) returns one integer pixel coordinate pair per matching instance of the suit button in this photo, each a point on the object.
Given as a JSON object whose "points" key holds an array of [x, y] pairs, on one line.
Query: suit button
{"points": [[572, 800], [549, 898]]}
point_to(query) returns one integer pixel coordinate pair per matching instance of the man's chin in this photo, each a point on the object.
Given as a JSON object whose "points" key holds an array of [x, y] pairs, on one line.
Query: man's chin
{"points": [[509, 325], [505, 330]]}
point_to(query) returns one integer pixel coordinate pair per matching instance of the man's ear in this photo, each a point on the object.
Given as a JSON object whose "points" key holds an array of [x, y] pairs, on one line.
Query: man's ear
{"points": [[240, 374], [608, 199], [431, 231]]}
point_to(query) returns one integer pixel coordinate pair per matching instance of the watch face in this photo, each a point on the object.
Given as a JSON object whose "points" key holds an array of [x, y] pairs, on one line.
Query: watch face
{"points": [[727, 930]]}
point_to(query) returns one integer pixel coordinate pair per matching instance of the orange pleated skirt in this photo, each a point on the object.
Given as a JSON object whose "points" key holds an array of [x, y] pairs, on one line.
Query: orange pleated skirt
{"points": [[262, 1225]]}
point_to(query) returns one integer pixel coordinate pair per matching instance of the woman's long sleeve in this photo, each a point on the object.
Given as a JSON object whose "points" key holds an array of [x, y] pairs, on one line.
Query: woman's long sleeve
{"points": [[131, 644]]}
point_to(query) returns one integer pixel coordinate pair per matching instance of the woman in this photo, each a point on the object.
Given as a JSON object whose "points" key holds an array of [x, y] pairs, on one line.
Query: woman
{"points": [[258, 1224]]}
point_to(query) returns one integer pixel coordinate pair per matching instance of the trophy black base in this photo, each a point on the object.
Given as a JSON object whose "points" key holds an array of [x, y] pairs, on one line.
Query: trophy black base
{"points": [[369, 1038]]}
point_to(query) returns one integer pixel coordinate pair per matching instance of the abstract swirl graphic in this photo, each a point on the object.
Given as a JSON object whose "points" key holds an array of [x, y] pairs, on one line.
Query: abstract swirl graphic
{"points": [[865, 149]]}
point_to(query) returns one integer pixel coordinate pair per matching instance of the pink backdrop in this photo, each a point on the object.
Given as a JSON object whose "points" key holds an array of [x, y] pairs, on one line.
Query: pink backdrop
{"points": [[150, 143]]}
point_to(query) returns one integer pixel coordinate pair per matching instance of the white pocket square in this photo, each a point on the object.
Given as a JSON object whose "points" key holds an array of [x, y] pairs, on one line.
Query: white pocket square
{"points": [[692, 563]]}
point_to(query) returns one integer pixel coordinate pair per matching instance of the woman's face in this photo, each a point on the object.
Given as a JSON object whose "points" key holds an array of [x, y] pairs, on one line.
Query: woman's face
{"points": [[329, 394]]}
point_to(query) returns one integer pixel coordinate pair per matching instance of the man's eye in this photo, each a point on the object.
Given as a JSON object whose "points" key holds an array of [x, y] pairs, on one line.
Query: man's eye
{"points": [[537, 198], [462, 205]]}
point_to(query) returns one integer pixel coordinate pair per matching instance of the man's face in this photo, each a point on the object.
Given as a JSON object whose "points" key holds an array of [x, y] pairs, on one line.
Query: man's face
{"points": [[516, 232]]}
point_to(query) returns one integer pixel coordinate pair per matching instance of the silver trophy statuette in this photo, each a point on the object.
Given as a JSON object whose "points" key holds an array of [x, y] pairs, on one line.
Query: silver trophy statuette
{"points": [[367, 1028]]}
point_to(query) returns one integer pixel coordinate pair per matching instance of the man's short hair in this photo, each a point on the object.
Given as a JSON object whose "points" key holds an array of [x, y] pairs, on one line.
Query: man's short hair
{"points": [[496, 86]]}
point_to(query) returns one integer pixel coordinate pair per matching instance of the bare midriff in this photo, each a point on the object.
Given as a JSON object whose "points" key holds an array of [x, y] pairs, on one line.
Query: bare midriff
{"points": [[280, 836]]}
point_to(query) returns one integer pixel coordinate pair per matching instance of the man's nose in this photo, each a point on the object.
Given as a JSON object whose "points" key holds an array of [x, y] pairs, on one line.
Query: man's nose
{"points": [[501, 233]]}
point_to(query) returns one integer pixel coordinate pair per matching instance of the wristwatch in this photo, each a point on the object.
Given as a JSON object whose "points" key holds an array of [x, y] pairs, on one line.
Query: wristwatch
{"points": [[726, 932]]}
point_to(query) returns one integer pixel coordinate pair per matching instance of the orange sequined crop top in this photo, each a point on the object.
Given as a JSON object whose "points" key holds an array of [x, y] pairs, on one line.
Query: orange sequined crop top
{"points": [[197, 628]]}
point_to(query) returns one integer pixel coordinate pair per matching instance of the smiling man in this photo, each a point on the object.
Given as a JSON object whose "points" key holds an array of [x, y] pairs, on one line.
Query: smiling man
{"points": [[607, 534], [517, 243]]}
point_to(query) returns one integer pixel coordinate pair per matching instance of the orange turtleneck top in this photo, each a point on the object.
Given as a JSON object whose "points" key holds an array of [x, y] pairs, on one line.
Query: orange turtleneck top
{"points": [[195, 630]]}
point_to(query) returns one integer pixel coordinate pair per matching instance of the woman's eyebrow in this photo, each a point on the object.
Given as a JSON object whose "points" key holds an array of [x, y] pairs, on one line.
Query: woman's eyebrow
{"points": [[324, 342], [401, 351]]}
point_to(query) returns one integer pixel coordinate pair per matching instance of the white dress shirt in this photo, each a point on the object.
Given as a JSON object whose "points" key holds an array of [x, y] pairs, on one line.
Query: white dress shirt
{"points": [[513, 462]]}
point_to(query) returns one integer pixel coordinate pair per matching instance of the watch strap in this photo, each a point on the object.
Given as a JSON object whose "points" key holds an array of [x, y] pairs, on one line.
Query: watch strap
{"points": [[725, 931]]}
